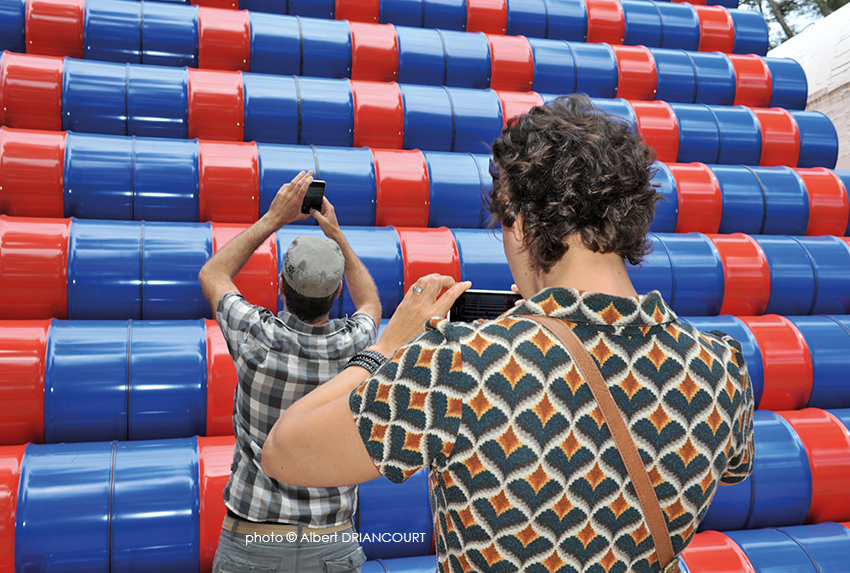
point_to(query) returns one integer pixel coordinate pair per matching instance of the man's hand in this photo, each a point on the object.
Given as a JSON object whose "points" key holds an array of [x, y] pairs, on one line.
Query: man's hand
{"points": [[286, 205], [327, 220]]}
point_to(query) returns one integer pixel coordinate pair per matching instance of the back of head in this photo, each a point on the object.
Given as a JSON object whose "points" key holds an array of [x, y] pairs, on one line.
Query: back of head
{"points": [[569, 168], [311, 275]]}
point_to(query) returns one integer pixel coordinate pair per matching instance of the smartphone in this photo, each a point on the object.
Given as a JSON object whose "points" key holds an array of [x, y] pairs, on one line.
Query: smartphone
{"points": [[479, 303], [313, 197]]}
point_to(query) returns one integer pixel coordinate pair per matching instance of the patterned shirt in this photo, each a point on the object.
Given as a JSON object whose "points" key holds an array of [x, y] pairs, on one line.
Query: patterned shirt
{"points": [[524, 474], [278, 360]]}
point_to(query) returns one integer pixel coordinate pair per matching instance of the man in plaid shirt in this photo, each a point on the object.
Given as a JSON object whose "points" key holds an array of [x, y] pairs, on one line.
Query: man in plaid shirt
{"points": [[278, 360]]}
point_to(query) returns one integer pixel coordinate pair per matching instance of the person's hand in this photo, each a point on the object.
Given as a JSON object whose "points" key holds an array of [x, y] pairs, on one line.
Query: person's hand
{"points": [[286, 205], [515, 290], [419, 304], [327, 220]]}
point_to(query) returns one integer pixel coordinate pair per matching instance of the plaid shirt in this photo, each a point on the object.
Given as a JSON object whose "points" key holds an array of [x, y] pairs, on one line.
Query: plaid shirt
{"points": [[278, 360]]}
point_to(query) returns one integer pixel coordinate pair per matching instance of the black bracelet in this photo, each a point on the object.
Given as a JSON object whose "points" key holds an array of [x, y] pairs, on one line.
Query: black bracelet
{"points": [[369, 360]]}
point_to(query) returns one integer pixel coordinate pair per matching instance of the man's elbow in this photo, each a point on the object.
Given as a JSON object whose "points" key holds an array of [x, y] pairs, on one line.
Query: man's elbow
{"points": [[204, 278]]}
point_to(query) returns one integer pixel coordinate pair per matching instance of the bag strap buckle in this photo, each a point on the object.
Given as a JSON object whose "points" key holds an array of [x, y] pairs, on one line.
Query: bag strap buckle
{"points": [[672, 566]]}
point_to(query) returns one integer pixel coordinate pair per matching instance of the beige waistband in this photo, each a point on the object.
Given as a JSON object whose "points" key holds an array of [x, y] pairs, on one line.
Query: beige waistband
{"points": [[250, 528]]}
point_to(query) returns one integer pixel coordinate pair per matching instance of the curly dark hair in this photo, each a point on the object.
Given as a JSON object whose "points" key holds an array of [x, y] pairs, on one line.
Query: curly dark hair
{"points": [[306, 308], [568, 167]]}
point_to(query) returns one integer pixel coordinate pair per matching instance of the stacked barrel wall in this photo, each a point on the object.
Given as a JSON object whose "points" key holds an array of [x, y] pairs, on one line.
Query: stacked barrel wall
{"points": [[137, 138]]}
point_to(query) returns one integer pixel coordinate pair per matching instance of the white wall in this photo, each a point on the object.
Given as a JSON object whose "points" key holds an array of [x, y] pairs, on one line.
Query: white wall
{"points": [[823, 49]]}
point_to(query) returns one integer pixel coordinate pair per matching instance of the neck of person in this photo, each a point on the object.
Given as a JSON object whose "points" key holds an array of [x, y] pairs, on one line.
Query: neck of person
{"points": [[584, 270], [321, 321]]}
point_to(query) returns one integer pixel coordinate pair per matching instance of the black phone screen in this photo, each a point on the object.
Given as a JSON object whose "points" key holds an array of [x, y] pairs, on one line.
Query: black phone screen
{"points": [[313, 197], [487, 304]]}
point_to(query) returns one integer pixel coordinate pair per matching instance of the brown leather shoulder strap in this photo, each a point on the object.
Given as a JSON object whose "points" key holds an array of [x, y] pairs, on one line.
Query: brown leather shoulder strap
{"points": [[622, 438]]}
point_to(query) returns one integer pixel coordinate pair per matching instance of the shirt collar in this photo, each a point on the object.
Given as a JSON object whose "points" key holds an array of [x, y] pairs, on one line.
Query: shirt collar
{"points": [[598, 308], [297, 325]]}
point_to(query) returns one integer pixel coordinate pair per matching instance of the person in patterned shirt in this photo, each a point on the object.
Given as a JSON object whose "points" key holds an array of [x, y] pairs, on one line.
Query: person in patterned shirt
{"points": [[279, 359], [524, 473]]}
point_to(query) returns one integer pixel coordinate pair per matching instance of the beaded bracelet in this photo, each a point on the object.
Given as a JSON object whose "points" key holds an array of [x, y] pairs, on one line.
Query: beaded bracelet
{"points": [[369, 360]]}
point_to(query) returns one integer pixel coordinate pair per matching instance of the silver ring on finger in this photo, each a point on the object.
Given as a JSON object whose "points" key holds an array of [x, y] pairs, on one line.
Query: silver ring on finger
{"points": [[416, 289]]}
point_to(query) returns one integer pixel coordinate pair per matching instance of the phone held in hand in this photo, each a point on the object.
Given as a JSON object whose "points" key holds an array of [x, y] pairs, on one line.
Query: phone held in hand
{"points": [[313, 197], [480, 303]]}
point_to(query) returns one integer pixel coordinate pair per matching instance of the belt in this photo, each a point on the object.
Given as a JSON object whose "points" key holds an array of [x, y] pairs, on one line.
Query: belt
{"points": [[250, 528]]}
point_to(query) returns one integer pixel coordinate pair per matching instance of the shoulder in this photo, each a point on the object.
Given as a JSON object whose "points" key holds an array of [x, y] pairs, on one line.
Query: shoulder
{"points": [[361, 321], [240, 319], [716, 348], [722, 344], [359, 328]]}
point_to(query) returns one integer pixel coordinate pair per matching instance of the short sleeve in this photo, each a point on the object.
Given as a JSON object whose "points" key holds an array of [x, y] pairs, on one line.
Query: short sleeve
{"points": [[364, 331], [244, 324], [409, 413], [740, 458]]}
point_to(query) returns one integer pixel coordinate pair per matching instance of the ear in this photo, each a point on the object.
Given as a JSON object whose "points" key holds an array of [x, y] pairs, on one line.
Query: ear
{"points": [[517, 229], [339, 290]]}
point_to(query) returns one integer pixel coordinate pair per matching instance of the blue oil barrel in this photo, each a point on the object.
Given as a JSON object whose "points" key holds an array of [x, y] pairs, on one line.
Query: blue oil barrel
{"points": [[567, 20], [272, 106], [828, 343], [155, 506], [98, 176], [63, 509], [172, 255], [697, 274], [276, 45], [167, 379], [169, 34], [772, 551], [478, 119], [643, 23], [677, 80], [421, 56], [527, 18], [554, 66], [325, 48], [792, 275], [112, 31], [157, 102], [327, 112], [104, 269], [743, 200], [94, 97], [699, 137], [429, 121], [456, 190], [783, 481], [85, 381], [165, 180], [467, 59], [667, 209]]}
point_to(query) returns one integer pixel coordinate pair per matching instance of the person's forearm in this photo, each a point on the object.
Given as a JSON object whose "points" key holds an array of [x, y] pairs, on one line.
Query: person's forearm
{"points": [[361, 285], [297, 450], [230, 258], [236, 252], [340, 385]]}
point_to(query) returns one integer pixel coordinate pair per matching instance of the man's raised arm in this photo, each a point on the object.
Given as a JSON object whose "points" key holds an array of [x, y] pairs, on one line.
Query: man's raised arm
{"points": [[361, 286], [216, 276]]}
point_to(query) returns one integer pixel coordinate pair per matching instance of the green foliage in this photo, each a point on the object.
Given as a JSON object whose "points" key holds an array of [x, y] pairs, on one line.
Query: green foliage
{"points": [[793, 15]]}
